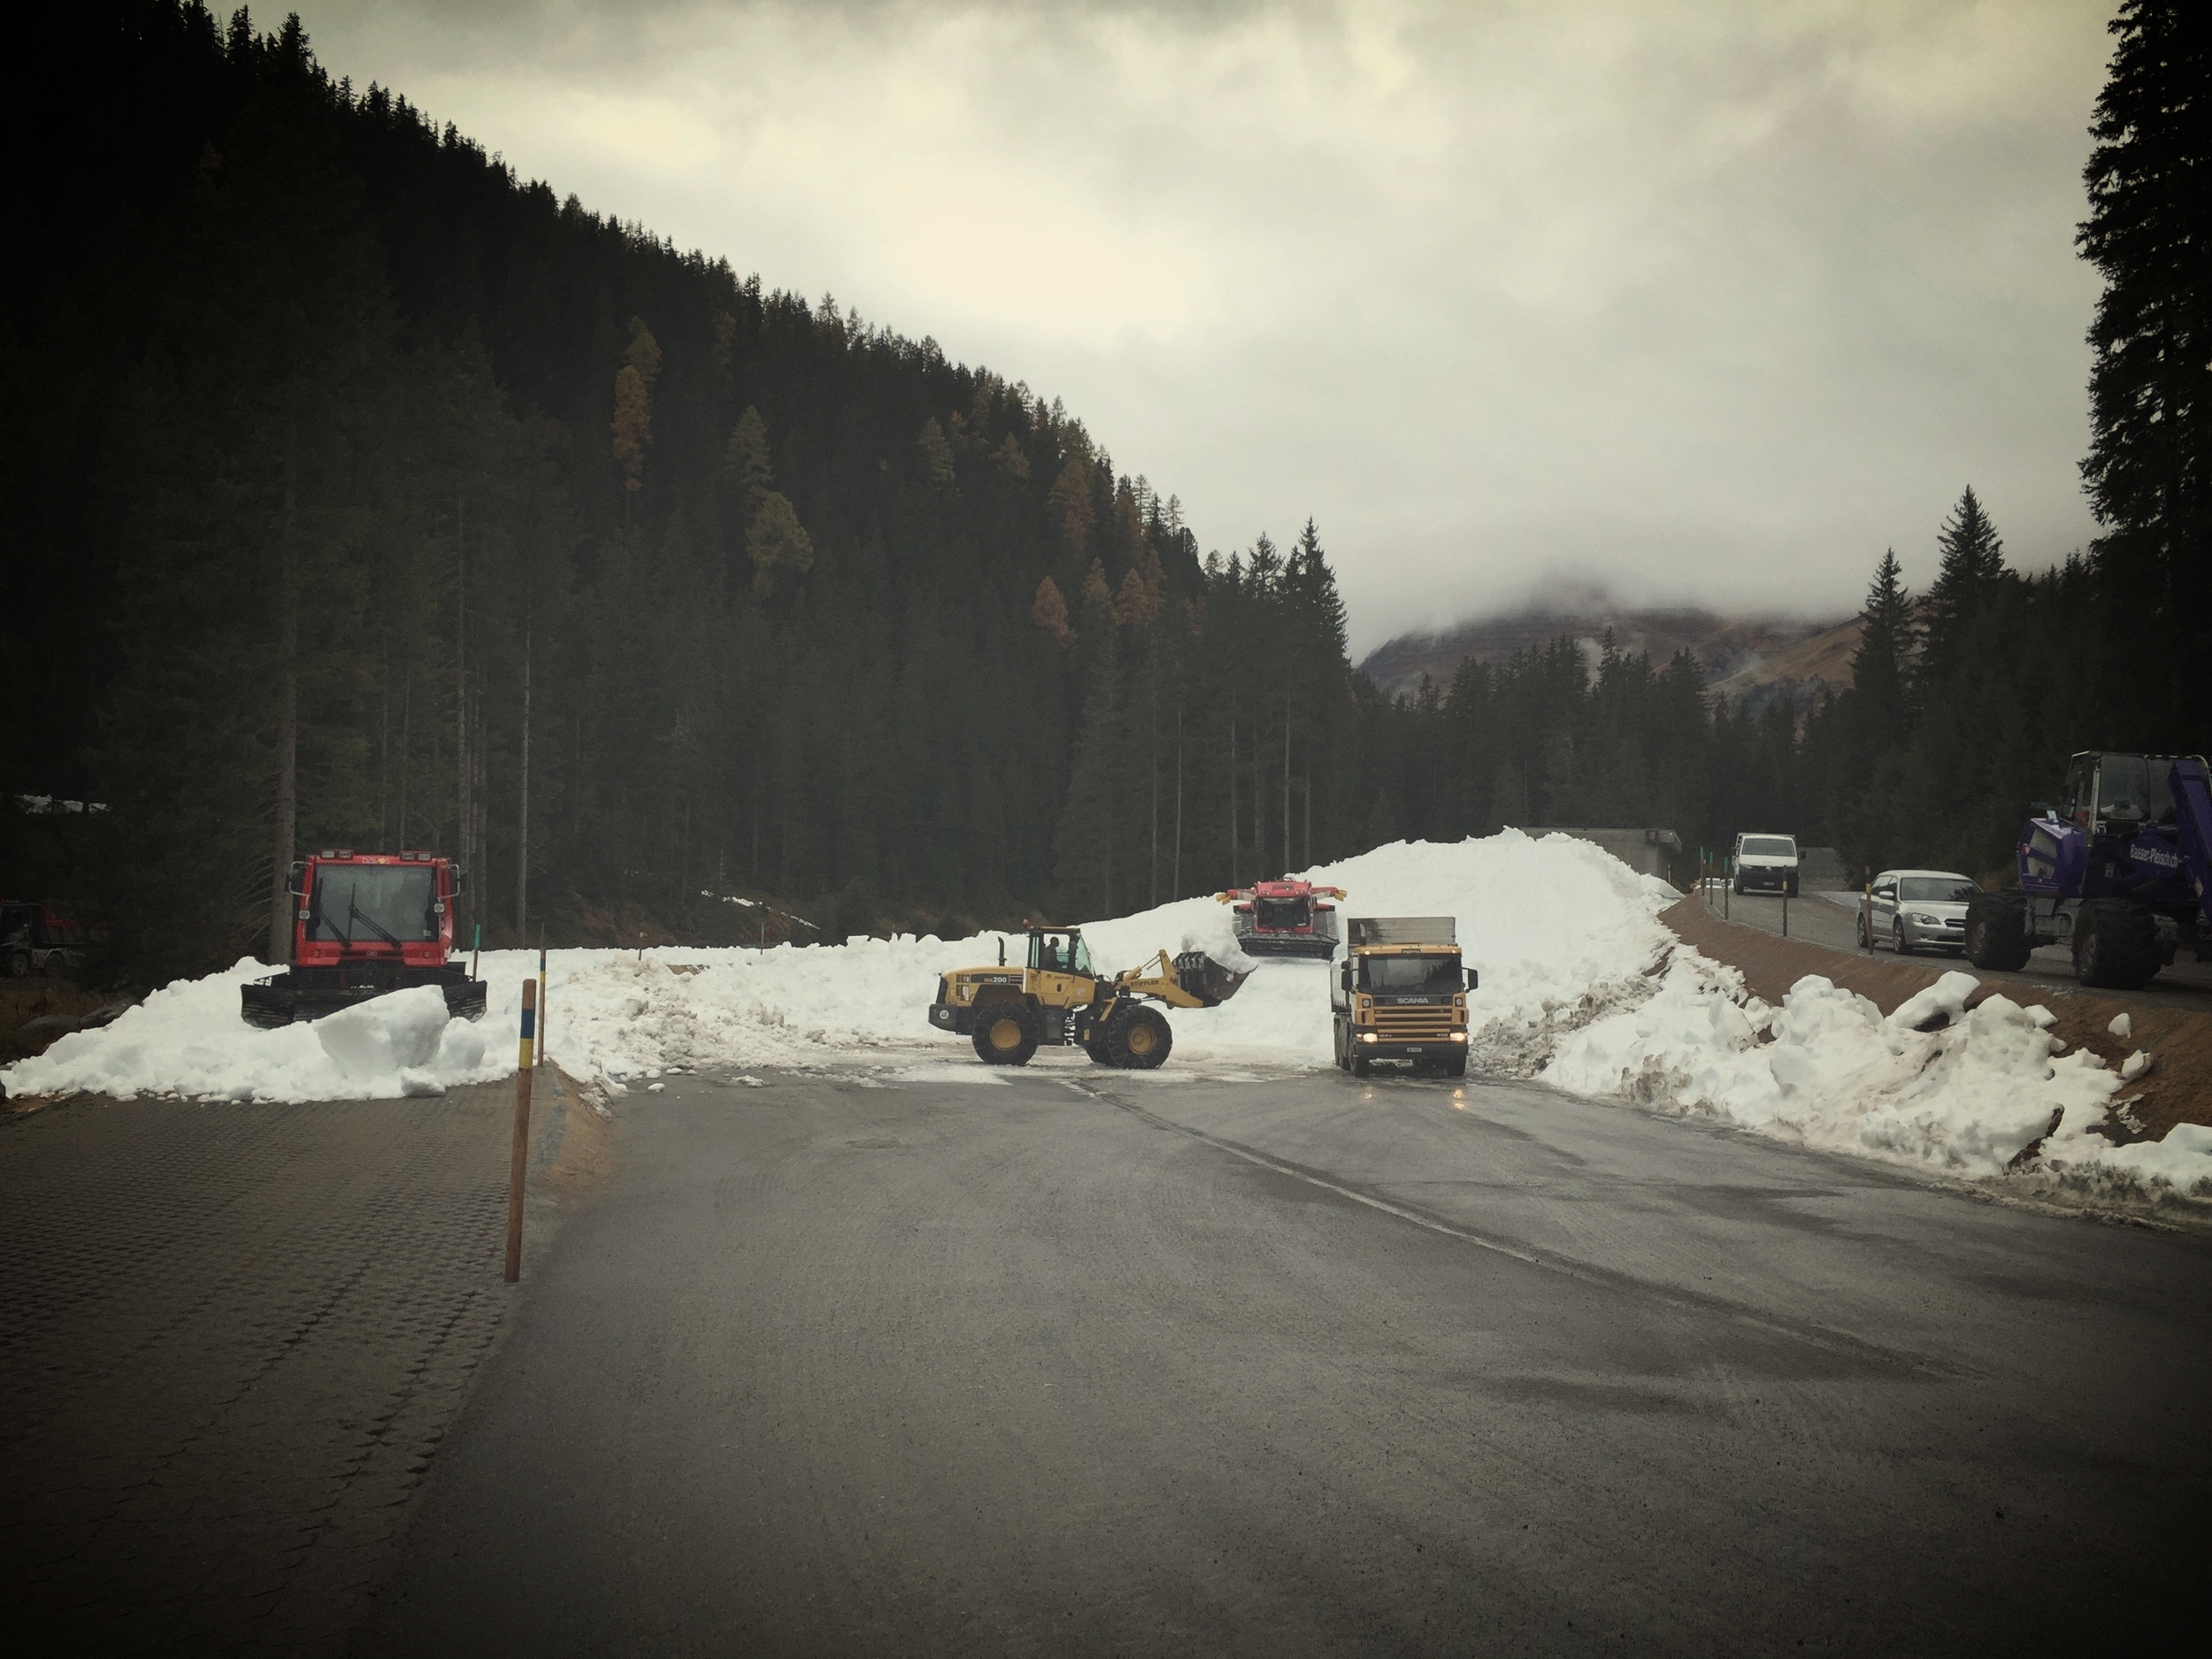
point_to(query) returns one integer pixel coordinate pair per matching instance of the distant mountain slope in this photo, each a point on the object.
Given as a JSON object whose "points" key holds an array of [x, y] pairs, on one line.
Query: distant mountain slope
{"points": [[1754, 660]]}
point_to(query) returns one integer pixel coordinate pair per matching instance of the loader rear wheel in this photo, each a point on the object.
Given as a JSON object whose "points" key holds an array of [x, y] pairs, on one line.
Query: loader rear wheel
{"points": [[1138, 1039], [1997, 931], [1005, 1034], [2115, 944]]}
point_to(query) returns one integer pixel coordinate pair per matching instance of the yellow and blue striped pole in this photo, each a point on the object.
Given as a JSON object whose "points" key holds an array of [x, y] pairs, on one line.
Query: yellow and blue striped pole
{"points": [[545, 1006], [519, 1163]]}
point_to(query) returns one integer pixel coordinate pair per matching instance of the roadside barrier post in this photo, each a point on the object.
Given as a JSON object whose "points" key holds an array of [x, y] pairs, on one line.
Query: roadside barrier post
{"points": [[545, 1006], [519, 1162], [1727, 882], [1866, 920], [476, 952], [1785, 910]]}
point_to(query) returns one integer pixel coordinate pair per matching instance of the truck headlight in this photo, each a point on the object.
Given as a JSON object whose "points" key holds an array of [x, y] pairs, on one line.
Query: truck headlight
{"points": [[1367, 1036], [1459, 1036]]}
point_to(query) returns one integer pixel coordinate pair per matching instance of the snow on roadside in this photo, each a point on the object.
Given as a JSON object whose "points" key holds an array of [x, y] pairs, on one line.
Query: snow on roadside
{"points": [[1827, 1068]]}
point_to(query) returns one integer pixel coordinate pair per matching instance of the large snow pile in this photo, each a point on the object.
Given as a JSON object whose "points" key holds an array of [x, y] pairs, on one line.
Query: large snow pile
{"points": [[1543, 920], [1580, 985]]}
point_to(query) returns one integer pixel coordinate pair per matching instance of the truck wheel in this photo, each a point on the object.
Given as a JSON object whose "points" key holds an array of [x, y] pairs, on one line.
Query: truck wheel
{"points": [[1360, 1065], [1997, 931], [18, 964], [1457, 1066], [1138, 1038], [1005, 1034], [2115, 944]]}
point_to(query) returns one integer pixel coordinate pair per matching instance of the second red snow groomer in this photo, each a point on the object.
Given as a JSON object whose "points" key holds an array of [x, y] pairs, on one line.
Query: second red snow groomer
{"points": [[1285, 918]]}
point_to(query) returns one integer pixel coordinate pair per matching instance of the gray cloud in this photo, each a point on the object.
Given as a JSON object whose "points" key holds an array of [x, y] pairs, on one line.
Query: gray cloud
{"points": [[1704, 301]]}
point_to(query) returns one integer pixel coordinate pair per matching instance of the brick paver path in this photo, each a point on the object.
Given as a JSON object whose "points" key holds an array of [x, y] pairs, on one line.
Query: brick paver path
{"points": [[231, 1339]]}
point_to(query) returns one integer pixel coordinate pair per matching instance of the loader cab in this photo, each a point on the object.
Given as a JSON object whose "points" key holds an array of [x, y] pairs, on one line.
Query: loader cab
{"points": [[1059, 950]]}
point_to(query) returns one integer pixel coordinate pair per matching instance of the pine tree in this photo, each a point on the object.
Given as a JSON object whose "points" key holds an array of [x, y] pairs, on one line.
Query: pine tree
{"points": [[1879, 665], [1971, 564], [2149, 467]]}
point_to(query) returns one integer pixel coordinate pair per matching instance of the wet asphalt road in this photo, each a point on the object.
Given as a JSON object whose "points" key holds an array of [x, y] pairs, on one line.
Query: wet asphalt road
{"points": [[1089, 1364], [1820, 920]]}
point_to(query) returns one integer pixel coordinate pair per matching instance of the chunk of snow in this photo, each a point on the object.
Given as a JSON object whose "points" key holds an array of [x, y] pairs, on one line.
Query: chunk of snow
{"points": [[2122, 1026], [2134, 1066]]}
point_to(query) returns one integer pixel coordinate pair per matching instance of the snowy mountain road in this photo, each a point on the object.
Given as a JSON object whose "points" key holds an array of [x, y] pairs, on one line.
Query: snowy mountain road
{"points": [[1067, 1361]]}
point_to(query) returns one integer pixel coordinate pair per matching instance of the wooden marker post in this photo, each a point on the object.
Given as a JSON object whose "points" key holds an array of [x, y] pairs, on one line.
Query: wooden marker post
{"points": [[476, 953], [1727, 881], [1866, 922], [519, 1163], [1785, 910]]}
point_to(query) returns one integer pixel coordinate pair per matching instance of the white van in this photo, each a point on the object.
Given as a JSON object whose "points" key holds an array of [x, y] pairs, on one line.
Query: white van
{"points": [[1766, 863]]}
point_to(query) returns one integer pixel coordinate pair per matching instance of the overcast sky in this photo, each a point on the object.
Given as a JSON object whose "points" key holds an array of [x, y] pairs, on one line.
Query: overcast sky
{"points": [[1696, 300]]}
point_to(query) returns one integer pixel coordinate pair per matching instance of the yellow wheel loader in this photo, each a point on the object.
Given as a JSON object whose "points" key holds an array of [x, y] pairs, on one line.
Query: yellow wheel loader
{"points": [[1058, 997]]}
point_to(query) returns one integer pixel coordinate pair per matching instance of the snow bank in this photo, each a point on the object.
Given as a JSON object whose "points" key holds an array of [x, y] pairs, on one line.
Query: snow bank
{"points": [[1968, 1096]]}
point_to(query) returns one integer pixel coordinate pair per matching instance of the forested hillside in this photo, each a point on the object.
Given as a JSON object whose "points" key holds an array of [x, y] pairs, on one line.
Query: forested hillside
{"points": [[360, 493], [374, 489]]}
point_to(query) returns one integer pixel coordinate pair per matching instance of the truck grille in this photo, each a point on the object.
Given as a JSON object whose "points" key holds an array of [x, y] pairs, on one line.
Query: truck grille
{"points": [[1430, 1024]]}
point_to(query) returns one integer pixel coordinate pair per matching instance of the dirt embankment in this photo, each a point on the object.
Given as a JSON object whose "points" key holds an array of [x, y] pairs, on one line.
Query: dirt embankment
{"points": [[2177, 1088]]}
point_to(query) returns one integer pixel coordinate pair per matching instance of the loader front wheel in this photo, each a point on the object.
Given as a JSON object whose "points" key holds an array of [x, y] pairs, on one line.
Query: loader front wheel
{"points": [[1005, 1034], [1997, 931], [2115, 945], [1138, 1038]]}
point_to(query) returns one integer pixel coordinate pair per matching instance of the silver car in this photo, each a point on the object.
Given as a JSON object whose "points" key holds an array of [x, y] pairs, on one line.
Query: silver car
{"points": [[1919, 909]]}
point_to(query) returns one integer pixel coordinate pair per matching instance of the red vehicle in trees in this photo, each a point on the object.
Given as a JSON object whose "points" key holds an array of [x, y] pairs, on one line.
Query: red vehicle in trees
{"points": [[1285, 918], [367, 924]]}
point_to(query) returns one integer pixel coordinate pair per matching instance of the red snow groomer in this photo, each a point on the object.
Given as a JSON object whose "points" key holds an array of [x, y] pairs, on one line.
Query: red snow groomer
{"points": [[365, 923], [1285, 918]]}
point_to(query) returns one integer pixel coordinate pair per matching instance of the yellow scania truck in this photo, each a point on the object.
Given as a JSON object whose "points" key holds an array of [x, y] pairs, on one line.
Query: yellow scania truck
{"points": [[1400, 994]]}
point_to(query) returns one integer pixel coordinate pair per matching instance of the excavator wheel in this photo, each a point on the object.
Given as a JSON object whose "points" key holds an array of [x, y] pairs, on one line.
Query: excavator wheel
{"points": [[1138, 1038], [1996, 932], [2115, 944], [1005, 1034]]}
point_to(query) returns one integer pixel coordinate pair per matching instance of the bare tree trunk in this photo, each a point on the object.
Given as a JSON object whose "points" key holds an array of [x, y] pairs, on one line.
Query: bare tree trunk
{"points": [[1177, 880], [384, 744], [406, 743], [462, 803], [288, 741], [1309, 783], [1286, 781], [1234, 826], [522, 814], [1152, 749]]}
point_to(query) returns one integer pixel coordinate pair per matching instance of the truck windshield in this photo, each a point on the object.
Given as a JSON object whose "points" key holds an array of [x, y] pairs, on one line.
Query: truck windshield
{"points": [[396, 898], [1936, 889], [2133, 788], [1769, 847], [1406, 975]]}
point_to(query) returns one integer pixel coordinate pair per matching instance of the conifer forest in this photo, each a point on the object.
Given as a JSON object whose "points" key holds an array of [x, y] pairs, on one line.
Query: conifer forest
{"points": [[361, 493]]}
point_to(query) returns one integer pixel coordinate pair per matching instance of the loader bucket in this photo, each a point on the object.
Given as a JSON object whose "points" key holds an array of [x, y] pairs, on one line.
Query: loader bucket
{"points": [[1204, 978]]}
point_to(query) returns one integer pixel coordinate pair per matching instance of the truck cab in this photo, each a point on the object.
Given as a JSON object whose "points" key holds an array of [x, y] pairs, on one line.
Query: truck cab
{"points": [[1401, 995]]}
